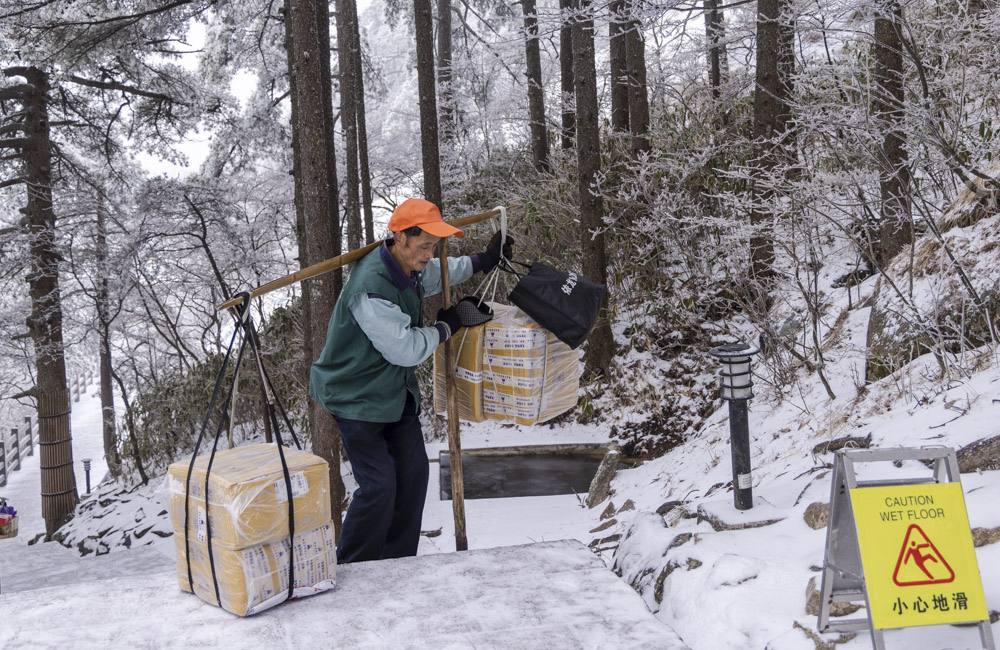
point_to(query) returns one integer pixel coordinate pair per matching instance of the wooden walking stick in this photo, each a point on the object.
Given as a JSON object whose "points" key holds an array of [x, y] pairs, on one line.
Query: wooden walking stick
{"points": [[451, 401], [341, 260]]}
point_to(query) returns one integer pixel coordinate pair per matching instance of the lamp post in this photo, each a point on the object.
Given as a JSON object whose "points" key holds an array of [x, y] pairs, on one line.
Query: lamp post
{"points": [[737, 389], [86, 470]]}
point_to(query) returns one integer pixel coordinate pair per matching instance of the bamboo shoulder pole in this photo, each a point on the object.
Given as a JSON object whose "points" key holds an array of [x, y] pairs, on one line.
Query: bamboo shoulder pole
{"points": [[341, 260], [451, 400]]}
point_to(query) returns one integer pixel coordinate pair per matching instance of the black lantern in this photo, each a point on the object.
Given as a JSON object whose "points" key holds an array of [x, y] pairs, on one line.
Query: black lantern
{"points": [[737, 388]]}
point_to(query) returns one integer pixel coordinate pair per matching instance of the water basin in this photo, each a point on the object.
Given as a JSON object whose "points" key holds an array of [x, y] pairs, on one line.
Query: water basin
{"points": [[524, 471]]}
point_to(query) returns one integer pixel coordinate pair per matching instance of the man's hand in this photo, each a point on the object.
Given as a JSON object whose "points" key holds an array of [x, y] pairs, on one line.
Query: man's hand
{"points": [[491, 256], [450, 318]]}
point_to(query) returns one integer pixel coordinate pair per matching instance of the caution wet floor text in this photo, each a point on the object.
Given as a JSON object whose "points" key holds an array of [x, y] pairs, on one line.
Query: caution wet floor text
{"points": [[919, 561]]}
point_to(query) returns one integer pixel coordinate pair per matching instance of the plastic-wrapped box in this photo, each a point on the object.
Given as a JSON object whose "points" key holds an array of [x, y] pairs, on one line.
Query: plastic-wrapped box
{"points": [[248, 500], [468, 345], [527, 374], [256, 578]]}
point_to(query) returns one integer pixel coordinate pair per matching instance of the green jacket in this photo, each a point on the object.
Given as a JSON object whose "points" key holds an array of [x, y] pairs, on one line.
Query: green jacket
{"points": [[351, 379]]}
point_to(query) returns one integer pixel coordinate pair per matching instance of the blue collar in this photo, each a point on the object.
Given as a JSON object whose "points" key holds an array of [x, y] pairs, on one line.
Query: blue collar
{"points": [[396, 271]]}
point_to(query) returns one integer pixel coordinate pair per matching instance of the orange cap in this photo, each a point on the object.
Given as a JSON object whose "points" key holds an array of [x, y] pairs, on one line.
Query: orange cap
{"points": [[422, 213]]}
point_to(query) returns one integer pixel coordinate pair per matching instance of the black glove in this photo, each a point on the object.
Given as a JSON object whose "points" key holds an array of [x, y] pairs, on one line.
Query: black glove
{"points": [[450, 318], [491, 256]]}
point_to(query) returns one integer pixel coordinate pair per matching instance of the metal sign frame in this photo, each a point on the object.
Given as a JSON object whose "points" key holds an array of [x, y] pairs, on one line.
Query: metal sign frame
{"points": [[843, 574]]}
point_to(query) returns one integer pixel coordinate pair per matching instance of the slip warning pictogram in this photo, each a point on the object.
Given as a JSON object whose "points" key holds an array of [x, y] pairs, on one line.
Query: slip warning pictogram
{"points": [[920, 562]]}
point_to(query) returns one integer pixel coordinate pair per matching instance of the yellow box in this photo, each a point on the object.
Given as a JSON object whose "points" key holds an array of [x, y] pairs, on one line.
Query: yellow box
{"points": [[256, 578], [468, 346], [248, 502], [510, 369]]}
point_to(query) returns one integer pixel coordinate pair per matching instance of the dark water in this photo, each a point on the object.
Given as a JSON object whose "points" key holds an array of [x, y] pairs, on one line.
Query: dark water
{"points": [[529, 475]]}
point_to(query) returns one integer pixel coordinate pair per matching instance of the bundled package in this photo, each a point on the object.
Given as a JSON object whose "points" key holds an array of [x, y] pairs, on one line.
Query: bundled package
{"points": [[248, 499], [256, 578], [246, 511], [523, 373]]}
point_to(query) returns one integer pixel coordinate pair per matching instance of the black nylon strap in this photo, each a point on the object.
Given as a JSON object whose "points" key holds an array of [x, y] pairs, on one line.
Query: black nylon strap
{"points": [[43, 443], [211, 459], [194, 455], [55, 415], [271, 395], [59, 494], [244, 326], [56, 466]]}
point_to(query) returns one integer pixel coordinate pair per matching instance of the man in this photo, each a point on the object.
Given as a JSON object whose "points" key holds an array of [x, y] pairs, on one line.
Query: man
{"points": [[366, 377]]}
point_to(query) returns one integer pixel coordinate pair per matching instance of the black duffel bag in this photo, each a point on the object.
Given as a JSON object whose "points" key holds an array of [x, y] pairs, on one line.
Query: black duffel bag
{"points": [[565, 304]]}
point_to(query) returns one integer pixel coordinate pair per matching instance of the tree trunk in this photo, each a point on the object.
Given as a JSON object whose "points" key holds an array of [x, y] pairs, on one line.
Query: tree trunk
{"points": [[359, 102], [638, 97], [104, 333], [349, 120], [618, 60], [896, 227], [718, 60], [58, 480], [308, 47], [423, 25], [566, 74], [447, 117], [600, 346], [773, 143], [536, 94]]}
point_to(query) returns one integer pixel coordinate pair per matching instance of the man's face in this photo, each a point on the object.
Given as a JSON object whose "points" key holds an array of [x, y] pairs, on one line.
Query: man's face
{"points": [[413, 253]]}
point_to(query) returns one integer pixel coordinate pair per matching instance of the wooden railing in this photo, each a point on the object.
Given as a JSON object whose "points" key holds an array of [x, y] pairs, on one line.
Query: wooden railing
{"points": [[20, 441]]}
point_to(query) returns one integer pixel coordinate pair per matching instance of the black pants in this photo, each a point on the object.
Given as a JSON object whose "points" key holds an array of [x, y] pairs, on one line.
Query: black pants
{"points": [[390, 465]]}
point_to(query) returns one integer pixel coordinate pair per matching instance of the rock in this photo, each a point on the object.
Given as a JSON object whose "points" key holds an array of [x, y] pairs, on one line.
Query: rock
{"points": [[680, 540], [600, 486], [628, 505], [836, 609], [848, 442], [605, 540], [606, 525], [609, 511], [690, 564], [728, 519], [817, 515], [794, 639], [981, 455], [984, 536], [667, 507]]}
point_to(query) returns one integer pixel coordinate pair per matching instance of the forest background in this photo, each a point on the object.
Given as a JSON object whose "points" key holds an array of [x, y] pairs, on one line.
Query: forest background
{"points": [[724, 167]]}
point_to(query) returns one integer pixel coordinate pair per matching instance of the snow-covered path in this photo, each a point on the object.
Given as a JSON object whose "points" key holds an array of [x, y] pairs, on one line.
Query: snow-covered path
{"points": [[506, 594], [24, 567], [551, 595], [23, 486]]}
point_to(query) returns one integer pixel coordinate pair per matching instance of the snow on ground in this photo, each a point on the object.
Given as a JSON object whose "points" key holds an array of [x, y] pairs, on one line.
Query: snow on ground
{"points": [[554, 595], [718, 589], [504, 595], [747, 588]]}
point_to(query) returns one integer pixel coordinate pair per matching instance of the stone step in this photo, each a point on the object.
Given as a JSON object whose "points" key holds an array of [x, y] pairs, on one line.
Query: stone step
{"points": [[546, 595]]}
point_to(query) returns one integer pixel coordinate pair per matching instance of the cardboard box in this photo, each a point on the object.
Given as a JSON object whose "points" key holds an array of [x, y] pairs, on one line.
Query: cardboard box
{"points": [[256, 578], [248, 502], [468, 346], [522, 372]]}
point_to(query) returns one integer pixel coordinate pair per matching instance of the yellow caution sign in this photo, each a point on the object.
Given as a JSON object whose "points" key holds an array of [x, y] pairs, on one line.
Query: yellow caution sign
{"points": [[916, 550]]}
